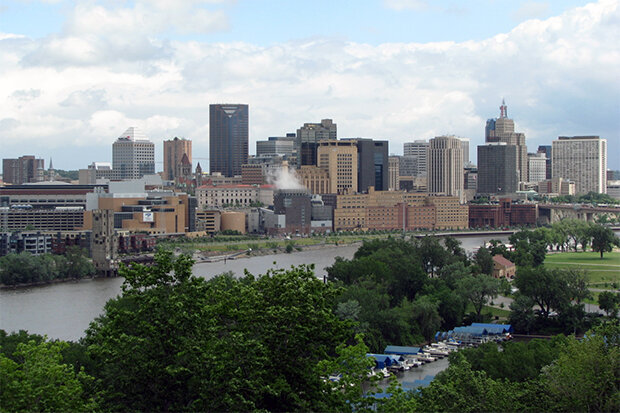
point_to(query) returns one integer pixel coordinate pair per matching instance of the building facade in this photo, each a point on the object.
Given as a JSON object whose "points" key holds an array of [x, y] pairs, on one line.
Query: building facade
{"points": [[445, 167], [133, 155], [393, 173], [546, 150], [308, 137], [504, 214], [228, 138], [537, 167], [315, 179], [497, 173], [416, 150], [277, 145], [340, 160], [23, 170], [372, 163], [174, 149], [582, 159]]}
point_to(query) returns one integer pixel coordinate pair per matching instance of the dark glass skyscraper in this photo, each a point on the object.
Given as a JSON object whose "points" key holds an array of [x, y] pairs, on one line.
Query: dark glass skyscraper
{"points": [[372, 164], [497, 169], [228, 138]]}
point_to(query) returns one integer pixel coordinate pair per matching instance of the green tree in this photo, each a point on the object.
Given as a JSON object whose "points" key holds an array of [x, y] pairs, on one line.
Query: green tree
{"points": [[522, 316], [40, 381], [478, 290], [484, 260], [608, 301], [78, 264], [543, 286], [603, 239], [585, 375], [426, 313], [173, 341]]}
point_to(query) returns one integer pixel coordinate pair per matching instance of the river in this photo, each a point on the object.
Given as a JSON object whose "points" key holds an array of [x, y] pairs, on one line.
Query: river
{"points": [[64, 310]]}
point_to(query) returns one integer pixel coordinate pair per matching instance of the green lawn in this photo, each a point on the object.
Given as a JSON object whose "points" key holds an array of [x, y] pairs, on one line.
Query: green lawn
{"points": [[601, 271]]}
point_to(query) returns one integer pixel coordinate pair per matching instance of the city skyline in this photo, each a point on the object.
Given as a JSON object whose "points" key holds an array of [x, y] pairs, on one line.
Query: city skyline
{"points": [[71, 82]]}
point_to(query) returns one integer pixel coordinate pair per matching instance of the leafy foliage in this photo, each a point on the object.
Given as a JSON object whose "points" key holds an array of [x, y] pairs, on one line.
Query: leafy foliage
{"points": [[35, 378], [176, 342]]}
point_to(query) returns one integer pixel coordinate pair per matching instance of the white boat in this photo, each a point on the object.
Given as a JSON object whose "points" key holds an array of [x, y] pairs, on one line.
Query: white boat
{"points": [[426, 357]]}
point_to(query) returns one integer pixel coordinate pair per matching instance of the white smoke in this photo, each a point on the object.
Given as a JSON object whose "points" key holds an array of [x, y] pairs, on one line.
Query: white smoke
{"points": [[283, 178]]}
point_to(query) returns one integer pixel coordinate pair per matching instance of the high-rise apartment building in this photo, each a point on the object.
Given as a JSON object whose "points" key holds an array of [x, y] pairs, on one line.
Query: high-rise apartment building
{"points": [[445, 166], [416, 150], [582, 159], [23, 170], [228, 138], [502, 129], [372, 163], [308, 138], [497, 169], [133, 155], [174, 149], [339, 159]]}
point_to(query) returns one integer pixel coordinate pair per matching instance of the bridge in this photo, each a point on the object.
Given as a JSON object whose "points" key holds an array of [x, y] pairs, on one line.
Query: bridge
{"points": [[550, 213]]}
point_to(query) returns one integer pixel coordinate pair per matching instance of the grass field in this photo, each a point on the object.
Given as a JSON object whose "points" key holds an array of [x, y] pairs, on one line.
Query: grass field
{"points": [[271, 243], [602, 272]]}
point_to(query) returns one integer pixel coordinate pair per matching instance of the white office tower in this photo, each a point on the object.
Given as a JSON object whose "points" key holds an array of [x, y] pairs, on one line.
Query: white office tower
{"points": [[133, 155], [582, 159], [445, 167]]}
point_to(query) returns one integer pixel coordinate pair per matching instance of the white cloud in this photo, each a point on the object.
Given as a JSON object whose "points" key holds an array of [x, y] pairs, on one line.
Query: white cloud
{"points": [[559, 77], [531, 10]]}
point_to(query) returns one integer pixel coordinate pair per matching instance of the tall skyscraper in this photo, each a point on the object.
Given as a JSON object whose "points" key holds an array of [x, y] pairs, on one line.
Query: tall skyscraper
{"points": [[582, 159], [497, 169], [502, 129], [339, 159], [537, 167], [22, 170], [372, 164], [465, 143], [445, 167], [133, 155], [415, 150], [394, 173], [174, 149], [308, 138], [228, 138]]}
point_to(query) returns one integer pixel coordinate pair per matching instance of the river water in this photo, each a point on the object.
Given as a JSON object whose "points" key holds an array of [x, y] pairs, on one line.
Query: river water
{"points": [[64, 311]]}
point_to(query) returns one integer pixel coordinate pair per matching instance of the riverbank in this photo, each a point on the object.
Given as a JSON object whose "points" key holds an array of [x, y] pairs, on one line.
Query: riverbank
{"points": [[44, 283]]}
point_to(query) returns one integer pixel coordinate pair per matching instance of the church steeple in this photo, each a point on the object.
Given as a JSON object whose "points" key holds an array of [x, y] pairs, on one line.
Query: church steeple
{"points": [[50, 171]]}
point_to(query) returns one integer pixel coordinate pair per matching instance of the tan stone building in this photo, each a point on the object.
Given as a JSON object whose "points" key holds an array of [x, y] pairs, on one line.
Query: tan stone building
{"points": [[315, 179], [165, 213], [398, 210], [174, 149], [503, 268], [445, 167], [339, 159]]}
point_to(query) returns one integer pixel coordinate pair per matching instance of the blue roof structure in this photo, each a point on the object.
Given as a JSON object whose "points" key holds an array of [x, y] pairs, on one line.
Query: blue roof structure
{"points": [[382, 360], [494, 328], [404, 350]]}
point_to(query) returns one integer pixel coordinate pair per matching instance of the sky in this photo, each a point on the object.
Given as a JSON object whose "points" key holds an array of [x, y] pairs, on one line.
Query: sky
{"points": [[74, 75]]}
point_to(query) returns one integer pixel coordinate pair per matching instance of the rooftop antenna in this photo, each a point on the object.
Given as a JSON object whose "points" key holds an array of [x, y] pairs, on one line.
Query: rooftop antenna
{"points": [[503, 110]]}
